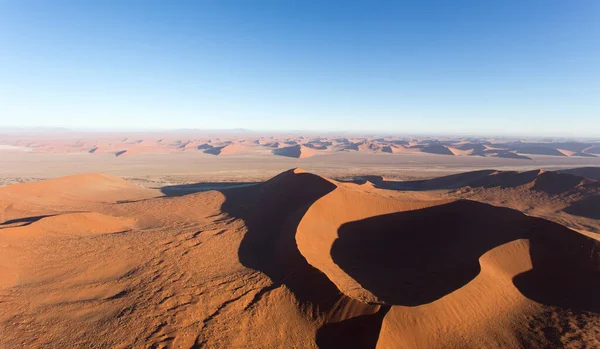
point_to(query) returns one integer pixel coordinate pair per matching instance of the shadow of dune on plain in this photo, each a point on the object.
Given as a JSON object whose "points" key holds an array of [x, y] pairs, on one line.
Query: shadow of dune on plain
{"points": [[185, 189], [271, 212], [416, 257]]}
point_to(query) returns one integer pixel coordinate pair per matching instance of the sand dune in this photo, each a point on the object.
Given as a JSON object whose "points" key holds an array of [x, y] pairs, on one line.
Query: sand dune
{"points": [[72, 193], [509, 155], [296, 261], [229, 149], [546, 181], [593, 150], [436, 149], [540, 151], [295, 151], [85, 187], [545, 194], [588, 172]]}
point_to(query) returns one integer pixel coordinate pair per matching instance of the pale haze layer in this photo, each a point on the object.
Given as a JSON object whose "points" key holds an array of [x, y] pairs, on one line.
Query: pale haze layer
{"points": [[469, 67]]}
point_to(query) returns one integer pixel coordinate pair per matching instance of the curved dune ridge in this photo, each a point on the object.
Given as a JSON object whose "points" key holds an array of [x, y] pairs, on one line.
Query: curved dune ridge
{"points": [[297, 261]]}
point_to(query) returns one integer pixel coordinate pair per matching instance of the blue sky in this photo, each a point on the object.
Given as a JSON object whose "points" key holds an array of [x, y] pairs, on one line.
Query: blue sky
{"points": [[466, 67]]}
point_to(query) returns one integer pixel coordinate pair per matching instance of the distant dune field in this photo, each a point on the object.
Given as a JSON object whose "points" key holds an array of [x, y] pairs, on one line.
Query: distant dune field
{"points": [[178, 157]]}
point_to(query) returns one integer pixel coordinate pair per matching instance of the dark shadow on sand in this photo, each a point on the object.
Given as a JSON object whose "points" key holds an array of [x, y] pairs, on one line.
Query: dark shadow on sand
{"points": [[24, 220], [588, 208], [272, 212], [185, 189], [416, 257], [549, 182]]}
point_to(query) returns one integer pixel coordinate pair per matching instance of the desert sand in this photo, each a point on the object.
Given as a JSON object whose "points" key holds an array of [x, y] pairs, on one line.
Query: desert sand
{"points": [[490, 259]]}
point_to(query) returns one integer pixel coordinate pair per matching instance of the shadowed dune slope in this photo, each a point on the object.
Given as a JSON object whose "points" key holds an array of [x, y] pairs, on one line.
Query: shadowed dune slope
{"points": [[545, 181], [540, 193], [229, 149], [588, 207], [456, 265], [540, 151], [588, 172], [398, 262], [318, 229], [436, 149], [295, 151], [272, 212]]}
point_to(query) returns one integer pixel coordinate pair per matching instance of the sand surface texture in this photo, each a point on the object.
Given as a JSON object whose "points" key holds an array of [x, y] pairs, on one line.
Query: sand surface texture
{"points": [[485, 259]]}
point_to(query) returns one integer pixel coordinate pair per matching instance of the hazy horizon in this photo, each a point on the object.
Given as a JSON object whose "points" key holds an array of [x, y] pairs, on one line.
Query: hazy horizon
{"points": [[309, 133]]}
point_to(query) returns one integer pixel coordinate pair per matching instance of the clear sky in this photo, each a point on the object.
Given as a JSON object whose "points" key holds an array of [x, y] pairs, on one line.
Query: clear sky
{"points": [[470, 67]]}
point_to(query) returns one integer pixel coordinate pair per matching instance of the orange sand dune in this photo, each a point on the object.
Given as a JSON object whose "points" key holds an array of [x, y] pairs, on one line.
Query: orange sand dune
{"points": [[545, 194], [90, 187], [229, 149], [72, 193], [297, 261], [460, 152], [296, 151]]}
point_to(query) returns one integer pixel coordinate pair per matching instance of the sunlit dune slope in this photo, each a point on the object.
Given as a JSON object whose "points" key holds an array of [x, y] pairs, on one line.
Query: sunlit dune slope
{"points": [[72, 193]]}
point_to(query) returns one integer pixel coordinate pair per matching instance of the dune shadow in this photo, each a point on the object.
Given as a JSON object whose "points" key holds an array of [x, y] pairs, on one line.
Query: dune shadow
{"points": [[294, 151], [272, 212], [185, 189], [588, 208], [565, 273], [416, 257], [444, 182], [548, 182], [358, 332], [25, 220]]}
